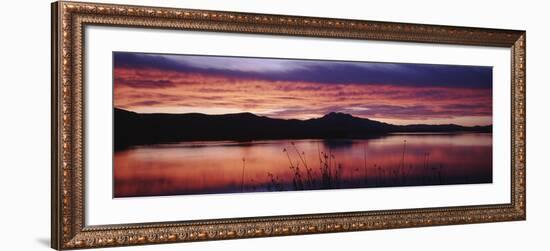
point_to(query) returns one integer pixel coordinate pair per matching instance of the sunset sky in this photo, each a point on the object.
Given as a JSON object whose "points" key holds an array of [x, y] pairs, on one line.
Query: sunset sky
{"points": [[302, 89]]}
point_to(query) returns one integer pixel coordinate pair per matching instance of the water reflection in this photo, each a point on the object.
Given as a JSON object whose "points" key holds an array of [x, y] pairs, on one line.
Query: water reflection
{"points": [[287, 165]]}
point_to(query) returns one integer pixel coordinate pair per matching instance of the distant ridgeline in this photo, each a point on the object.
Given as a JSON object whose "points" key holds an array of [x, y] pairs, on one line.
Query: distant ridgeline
{"points": [[132, 128]]}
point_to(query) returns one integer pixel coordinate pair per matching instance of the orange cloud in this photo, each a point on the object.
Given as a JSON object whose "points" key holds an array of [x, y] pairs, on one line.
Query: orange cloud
{"points": [[147, 91]]}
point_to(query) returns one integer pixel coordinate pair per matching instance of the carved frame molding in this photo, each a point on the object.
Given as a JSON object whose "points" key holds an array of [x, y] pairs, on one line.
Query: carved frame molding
{"points": [[68, 226]]}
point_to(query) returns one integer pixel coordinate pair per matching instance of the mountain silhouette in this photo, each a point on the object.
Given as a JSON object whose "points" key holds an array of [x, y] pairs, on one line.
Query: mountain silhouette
{"points": [[131, 128]]}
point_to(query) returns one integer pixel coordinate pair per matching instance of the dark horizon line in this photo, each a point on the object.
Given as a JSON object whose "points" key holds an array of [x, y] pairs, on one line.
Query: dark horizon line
{"points": [[262, 116]]}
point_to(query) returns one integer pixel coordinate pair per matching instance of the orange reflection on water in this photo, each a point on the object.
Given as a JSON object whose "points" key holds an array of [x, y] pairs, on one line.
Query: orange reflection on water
{"points": [[277, 165]]}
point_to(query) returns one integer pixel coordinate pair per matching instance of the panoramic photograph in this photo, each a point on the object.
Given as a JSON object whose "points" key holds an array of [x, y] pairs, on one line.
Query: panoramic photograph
{"points": [[198, 124]]}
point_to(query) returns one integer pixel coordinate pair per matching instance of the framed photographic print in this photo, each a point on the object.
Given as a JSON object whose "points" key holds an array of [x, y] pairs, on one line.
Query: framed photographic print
{"points": [[175, 125]]}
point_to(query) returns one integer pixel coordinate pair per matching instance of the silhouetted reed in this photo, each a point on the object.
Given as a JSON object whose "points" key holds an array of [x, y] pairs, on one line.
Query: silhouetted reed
{"points": [[274, 183], [328, 177], [330, 172], [402, 167], [365, 179], [310, 182], [295, 168], [242, 178]]}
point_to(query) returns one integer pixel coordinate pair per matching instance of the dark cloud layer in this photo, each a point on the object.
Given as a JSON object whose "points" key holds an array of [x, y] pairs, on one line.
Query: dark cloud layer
{"points": [[325, 72], [145, 83]]}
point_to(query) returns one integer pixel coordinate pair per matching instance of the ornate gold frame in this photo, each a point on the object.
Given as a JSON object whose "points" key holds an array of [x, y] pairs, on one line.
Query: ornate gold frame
{"points": [[68, 228]]}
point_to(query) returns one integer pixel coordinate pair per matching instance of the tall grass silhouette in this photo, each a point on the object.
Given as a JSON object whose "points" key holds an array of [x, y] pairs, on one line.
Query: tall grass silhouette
{"points": [[329, 174]]}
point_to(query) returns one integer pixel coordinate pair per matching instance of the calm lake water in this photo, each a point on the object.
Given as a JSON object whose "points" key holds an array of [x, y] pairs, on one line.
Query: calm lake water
{"points": [[288, 165]]}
